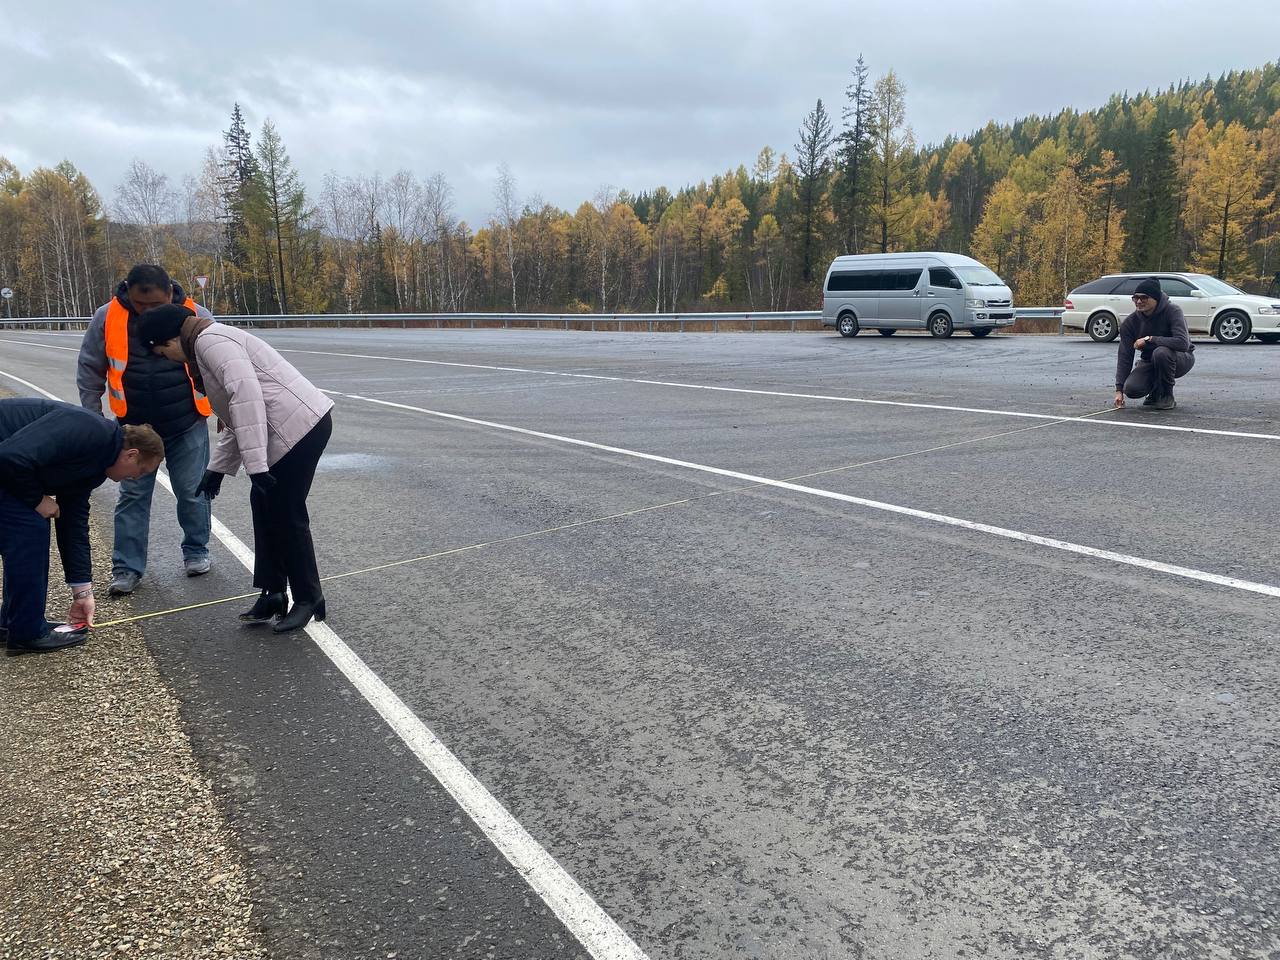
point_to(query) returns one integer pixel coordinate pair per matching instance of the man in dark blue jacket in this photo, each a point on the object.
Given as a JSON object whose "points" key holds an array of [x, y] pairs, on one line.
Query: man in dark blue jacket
{"points": [[52, 456]]}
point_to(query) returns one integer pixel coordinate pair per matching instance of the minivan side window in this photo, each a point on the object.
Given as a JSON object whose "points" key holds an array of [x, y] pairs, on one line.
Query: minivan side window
{"points": [[855, 281], [902, 279], [1174, 287], [942, 277]]}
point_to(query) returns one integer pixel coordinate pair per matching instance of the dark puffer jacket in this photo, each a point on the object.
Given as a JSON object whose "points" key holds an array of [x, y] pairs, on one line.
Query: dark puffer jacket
{"points": [[156, 391]]}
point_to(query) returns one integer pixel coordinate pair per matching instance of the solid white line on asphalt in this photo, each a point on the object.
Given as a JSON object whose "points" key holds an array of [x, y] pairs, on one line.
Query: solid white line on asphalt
{"points": [[43, 346], [29, 385], [598, 933], [1096, 553], [804, 396]]}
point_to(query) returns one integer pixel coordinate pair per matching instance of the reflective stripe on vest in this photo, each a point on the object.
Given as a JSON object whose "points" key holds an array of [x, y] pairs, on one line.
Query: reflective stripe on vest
{"points": [[117, 342]]}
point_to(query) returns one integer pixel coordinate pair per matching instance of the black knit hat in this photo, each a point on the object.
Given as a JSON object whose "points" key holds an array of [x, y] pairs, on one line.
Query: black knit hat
{"points": [[1149, 286], [162, 324]]}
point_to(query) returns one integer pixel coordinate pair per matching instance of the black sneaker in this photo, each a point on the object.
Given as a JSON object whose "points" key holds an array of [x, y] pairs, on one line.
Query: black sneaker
{"points": [[1151, 400], [1165, 403]]}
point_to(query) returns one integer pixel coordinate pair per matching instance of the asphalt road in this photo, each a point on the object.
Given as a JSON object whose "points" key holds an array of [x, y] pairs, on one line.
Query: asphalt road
{"points": [[754, 721]]}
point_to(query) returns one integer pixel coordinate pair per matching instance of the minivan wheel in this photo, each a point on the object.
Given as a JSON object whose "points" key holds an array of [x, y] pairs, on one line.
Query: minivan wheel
{"points": [[1103, 327], [887, 331], [980, 331], [1232, 328], [940, 325], [847, 325]]}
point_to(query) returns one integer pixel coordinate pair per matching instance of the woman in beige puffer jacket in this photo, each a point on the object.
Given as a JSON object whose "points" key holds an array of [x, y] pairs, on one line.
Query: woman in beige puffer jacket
{"points": [[277, 424]]}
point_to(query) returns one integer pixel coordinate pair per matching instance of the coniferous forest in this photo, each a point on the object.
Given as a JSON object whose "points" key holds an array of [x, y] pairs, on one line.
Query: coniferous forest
{"points": [[1182, 178]]}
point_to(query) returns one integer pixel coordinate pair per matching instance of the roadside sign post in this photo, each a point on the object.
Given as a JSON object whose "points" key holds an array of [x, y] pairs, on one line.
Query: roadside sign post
{"points": [[202, 282], [7, 294]]}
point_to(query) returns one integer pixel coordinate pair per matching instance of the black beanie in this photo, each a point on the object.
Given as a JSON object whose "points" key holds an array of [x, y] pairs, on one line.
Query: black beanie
{"points": [[162, 324], [1149, 286]]}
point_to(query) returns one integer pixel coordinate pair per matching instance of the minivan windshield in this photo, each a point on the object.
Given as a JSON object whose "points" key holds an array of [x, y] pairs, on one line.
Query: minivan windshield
{"points": [[1213, 286], [978, 276]]}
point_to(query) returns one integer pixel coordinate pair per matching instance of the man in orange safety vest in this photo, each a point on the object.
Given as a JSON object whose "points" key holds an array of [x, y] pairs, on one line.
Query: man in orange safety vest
{"points": [[142, 387]]}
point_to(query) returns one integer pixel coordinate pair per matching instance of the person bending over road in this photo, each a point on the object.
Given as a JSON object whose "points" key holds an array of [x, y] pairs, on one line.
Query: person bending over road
{"points": [[52, 456], [1158, 330], [278, 425], [144, 388]]}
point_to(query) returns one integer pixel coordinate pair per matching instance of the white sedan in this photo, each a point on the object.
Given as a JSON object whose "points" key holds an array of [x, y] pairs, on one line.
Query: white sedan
{"points": [[1210, 306]]}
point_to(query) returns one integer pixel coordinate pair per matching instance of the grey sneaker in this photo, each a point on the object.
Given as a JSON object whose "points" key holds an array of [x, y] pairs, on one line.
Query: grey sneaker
{"points": [[123, 583], [1166, 402], [197, 567]]}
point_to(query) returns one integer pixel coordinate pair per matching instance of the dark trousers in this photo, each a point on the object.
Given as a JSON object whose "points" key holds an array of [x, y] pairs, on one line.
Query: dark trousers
{"points": [[24, 545], [1157, 374], [284, 553]]}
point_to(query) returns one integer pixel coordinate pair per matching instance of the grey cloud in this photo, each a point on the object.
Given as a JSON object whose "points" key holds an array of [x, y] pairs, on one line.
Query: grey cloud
{"points": [[571, 95]]}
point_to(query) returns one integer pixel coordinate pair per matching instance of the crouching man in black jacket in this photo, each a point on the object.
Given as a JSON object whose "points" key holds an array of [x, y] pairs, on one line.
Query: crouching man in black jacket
{"points": [[52, 456], [1158, 330]]}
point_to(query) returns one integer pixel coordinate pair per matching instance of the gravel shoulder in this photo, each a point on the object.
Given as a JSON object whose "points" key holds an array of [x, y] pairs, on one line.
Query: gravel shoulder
{"points": [[111, 843]]}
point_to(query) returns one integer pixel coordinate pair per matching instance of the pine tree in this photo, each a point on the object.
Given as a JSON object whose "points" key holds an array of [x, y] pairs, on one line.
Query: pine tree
{"points": [[285, 201], [239, 177], [1155, 232], [854, 150], [811, 163], [893, 161], [378, 292]]}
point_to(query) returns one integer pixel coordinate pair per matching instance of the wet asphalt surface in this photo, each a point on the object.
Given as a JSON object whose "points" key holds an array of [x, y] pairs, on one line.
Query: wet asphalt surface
{"points": [[755, 723]]}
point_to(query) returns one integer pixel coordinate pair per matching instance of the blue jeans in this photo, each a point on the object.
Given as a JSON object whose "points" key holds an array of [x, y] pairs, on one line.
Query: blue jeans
{"points": [[185, 456], [24, 545]]}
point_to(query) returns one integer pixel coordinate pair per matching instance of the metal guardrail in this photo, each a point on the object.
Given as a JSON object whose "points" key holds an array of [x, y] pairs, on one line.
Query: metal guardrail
{"points": [[565, 321]]}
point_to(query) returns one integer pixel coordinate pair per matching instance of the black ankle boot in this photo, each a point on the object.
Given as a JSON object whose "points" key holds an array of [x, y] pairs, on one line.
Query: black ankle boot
{"points": [[267, 605], [301, 614]]}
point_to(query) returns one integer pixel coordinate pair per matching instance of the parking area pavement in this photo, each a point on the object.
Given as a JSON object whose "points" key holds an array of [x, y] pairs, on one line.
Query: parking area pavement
{"points": [[765, 646]]}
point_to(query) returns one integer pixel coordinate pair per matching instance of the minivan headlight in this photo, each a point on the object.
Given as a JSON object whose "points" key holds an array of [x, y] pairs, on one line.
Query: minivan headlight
{"points": [[976, 304]]}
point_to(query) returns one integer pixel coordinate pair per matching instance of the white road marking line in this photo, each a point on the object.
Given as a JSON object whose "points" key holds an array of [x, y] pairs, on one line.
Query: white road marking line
{"points": [[1095, 553], [42, 346], [29, 385], [806, 396], [598, 933]]}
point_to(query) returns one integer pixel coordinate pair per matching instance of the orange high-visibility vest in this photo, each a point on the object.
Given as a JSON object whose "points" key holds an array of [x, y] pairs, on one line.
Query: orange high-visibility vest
{"points": [[117, 336]]}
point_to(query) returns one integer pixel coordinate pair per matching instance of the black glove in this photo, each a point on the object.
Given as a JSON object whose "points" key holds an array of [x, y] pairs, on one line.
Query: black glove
{"points": [[262, 482], [210, 484]]}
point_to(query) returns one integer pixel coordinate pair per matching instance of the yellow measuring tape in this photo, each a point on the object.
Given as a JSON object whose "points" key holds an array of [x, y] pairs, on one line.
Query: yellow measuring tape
{"points": [[583, 523]]}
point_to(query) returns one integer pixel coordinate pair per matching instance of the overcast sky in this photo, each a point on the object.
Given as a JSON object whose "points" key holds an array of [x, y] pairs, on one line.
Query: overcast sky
{"points": [[572, 96]]}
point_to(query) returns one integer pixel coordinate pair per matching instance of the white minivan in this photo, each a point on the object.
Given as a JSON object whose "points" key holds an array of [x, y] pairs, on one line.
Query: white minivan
{"points": [[938, 292]]}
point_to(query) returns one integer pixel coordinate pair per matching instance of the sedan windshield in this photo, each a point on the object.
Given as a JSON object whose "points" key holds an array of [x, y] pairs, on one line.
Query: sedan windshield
{"points": [[978, 277], [1213, 286]]}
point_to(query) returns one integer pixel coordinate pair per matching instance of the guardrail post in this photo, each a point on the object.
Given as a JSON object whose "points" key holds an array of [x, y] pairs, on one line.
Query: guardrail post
{"points": [[715, 325]]}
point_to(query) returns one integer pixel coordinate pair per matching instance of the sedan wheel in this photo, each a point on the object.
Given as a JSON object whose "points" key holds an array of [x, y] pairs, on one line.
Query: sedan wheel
{"points": [[1233, 328], [1103, 327]]}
